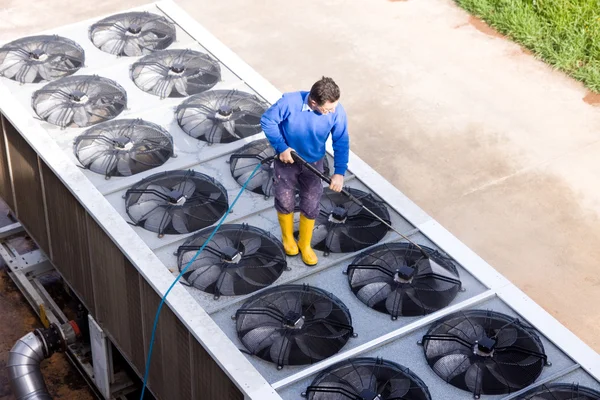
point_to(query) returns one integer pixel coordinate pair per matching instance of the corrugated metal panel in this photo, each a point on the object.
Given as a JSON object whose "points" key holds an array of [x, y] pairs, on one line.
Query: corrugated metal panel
{"points": [[67, 224], [27, 184], [175, 340], [209, 380], [150, 301], [117, 294], [180, 369], [6, 191]]}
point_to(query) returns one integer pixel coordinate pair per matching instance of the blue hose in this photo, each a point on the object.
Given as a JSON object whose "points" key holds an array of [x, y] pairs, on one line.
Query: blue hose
{"points": [[162, 301]]}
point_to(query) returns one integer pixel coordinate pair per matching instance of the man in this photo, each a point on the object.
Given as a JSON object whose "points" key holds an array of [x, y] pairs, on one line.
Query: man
{"points": [[302, 122]]}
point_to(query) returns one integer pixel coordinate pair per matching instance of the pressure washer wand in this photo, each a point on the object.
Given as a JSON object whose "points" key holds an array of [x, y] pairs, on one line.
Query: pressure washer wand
{"points": [[305, 163]]}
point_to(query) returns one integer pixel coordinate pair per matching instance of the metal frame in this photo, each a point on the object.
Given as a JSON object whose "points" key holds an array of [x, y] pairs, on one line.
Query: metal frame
{"points": [[197, 321], [25, 270]]}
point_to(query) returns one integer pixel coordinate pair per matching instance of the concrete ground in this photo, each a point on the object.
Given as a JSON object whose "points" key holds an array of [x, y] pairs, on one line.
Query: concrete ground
{"points": [[495, 145]]}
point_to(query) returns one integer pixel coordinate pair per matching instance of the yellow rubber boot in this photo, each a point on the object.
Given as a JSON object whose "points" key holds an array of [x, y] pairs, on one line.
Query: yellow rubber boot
{"points": [[305, 236], [286, 222]]}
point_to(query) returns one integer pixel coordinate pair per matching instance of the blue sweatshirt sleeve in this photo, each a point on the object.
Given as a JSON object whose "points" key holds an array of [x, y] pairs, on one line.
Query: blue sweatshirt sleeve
{"points": [[270, 121], [341, 142]]}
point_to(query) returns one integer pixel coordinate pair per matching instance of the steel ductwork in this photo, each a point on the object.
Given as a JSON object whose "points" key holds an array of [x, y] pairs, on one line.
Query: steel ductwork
{"points": [[25, 357]]}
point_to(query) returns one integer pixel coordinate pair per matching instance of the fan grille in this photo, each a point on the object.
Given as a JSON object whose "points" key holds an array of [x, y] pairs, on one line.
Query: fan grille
{"points": [[367, 378], [342, 226], [123, 147], [132, 34], [176, 73], [40, 58], [389, 278], [176, 202], [561, 391], [239, 259], [245, 160], [294, 325], [221, 116], [484, 352], [79, 101]]}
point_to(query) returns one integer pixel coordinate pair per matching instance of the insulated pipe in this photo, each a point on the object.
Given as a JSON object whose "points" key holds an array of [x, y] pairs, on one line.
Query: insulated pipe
{"points": [[24, 360]]}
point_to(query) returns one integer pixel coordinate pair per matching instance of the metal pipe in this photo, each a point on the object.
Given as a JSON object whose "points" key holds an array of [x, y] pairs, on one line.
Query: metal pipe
{"points": [[24, 372], [24, 359]]}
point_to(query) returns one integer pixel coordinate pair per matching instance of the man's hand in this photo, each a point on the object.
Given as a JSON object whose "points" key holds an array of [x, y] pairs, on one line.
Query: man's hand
{"points": [[337, 182], [286, 156]]}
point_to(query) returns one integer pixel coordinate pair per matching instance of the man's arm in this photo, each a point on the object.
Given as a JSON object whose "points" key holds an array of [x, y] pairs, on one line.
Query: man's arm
{"points": [[341, 149], [270, 121], [341, 143]]}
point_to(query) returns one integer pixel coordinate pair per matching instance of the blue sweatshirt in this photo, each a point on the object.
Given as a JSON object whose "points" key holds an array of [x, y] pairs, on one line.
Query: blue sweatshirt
{"points": [[291, 123]]}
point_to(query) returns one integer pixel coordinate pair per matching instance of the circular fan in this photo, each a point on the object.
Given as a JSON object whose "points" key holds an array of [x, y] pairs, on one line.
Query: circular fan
{"points": [[123, 147], [342, 226], [245, 160], [390, 279], [176, 202], [132, 34], [238, 260], [367, 379], [36, 58], [294, 325], [186, 71], [561, 391], [79, 101], [484, 352], [221, 116]]}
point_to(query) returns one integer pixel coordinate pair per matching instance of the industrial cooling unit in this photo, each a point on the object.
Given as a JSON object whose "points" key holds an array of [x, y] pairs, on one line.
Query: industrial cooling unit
{"points": [[126, 138]]}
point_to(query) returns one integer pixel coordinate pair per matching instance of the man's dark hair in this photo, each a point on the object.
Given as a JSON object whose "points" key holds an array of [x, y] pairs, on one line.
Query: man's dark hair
{"points": [[325, 90]]}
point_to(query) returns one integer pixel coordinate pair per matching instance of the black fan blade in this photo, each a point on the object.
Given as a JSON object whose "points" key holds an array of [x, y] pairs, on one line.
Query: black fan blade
{"points": [[374, 293], [140, 211], [364, 276], [288, 303], [360, 378], [226, 283], [204, 277], [251, 245], [468, 330], [474, 378], [179, 221], [280, 350], [394, 302], [261, 338], [399, 388], [260, 276], [503, 375], [307, 345], [507, 336], [451, 366], [323, 308]]}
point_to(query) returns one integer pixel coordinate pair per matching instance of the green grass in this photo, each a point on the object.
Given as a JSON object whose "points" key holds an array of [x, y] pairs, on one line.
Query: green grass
{"points": [[563, 33]]}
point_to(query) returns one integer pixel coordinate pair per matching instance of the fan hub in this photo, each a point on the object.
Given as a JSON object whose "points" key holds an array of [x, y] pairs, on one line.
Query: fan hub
{"points": [[177, 68], [485, 347], [224, 113], [134, 29], [78, 96], [368, 394], [338, 215], [38, 55], [123, 143], [293, 321], [404, 274], [176, 198], [231, 255]]}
